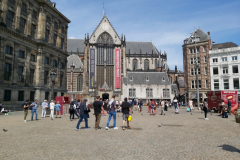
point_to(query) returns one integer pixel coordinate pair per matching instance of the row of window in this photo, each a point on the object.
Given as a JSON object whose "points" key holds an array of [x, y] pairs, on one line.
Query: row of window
{"points": [[146, 78], [225, 70], [197, 50], [8, 95], [193, 60], [224, 59], [149, 92], [54, 63], [226, 84], [10, 19], [146, 64], [194, 84]]}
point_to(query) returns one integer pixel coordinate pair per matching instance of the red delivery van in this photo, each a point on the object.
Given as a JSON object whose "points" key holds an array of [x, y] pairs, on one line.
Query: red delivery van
{"points": [[214, 98]]}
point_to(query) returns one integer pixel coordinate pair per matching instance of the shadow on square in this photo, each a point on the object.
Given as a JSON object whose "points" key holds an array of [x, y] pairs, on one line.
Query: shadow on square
{"points": [[229, 148]]}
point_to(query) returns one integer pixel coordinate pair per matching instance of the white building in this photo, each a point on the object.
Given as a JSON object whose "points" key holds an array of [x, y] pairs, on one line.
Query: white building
{"points": [[225, 66]]}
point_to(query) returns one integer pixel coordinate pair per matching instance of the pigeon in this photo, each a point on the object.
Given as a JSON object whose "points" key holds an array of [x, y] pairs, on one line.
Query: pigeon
{"points": [[4, 130], [118, 115], [191, 113], [211, 113], [160, 125]]}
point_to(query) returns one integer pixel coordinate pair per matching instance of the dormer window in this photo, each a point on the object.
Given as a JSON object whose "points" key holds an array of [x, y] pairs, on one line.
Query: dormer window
{"points": [[147, 78], [131, 78], [163, 78]]}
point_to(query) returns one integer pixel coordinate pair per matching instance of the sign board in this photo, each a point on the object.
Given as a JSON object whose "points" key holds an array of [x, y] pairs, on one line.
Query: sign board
{"points": [[117, 68]]}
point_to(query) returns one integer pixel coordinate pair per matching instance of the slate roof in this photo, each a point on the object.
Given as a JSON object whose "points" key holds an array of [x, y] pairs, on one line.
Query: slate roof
{"points": [[199, 33], [75, 60], [146, 47], [74, 45], [224, 45], [140, 78]]}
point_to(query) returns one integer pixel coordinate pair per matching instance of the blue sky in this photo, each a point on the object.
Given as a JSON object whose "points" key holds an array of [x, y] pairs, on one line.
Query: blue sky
{"points": [[164, 22]]}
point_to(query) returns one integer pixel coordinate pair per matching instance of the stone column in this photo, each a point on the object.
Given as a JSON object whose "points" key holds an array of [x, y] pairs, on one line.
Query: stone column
{"points": [[41, 28], [27, 66], [29, 21], [2, 55], [17, 15], [15, 63], [39, 73]]}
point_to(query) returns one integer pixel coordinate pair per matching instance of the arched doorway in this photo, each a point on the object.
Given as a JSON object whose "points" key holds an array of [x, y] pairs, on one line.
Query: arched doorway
{"points": [[105, 96]]}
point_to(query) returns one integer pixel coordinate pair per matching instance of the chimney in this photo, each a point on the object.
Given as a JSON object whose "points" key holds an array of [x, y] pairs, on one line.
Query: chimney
{"points": [[54, 4], [208, 33]]}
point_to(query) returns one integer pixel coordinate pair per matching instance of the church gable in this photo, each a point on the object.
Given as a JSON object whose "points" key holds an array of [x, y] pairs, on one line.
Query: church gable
{"points": [[103, 31]]}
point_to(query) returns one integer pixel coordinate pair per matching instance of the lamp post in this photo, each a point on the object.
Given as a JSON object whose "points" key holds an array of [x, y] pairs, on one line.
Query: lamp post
{"points": [[53, 76], [196, 69], [72, 68]]}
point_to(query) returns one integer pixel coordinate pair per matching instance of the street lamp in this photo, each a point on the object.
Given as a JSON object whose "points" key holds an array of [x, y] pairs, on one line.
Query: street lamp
{"points": [[53, 76], [72, 68], [196, 68]]}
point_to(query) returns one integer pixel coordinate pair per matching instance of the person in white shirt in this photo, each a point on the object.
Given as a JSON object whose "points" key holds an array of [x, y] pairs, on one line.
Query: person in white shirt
{"points": [[52, 104], [162, 107], [4, 111], [44, 108], [190, 103]]}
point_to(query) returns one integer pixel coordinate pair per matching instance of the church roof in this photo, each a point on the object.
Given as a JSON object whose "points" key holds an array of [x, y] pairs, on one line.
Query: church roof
{"points": [[224, 45], [75, 45], [145, 47], [202, 36], [140, 78], [75, 60]]}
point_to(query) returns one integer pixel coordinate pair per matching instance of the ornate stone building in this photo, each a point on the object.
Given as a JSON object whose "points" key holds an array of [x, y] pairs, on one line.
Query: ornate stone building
{"points": [[33, 41], [197, 46], [110, 62]]}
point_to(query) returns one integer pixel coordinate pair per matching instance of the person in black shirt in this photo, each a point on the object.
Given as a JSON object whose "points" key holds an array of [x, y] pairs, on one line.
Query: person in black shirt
{"points": [[83, 114], [126, 110], [25, 109], [98, 106]]}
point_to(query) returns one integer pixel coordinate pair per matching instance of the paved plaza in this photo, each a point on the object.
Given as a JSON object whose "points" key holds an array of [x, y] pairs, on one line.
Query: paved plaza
{"points": [[182, 136]]}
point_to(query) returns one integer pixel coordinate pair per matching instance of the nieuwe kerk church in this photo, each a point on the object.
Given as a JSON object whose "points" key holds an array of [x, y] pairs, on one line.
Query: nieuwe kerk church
{"points": [[106, 64]]}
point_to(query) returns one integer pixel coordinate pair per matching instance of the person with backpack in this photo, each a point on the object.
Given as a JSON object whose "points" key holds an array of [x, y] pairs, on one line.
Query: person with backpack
{"points": [[25, 109], [83, 115], [72, 107], [205, 108], [112, 113], [34, 106]]}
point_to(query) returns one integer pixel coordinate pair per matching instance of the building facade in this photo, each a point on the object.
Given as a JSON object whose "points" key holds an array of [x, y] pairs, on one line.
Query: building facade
{"points": [[197, 47], [109, 61], [225, 66], [33, 41]]}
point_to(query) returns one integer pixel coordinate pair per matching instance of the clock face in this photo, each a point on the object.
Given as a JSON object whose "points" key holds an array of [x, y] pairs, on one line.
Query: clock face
{"points": [[105, 26]]}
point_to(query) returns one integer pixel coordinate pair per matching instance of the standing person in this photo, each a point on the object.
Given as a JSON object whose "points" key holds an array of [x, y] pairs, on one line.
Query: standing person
{"points": [[112, 113], [75, 109], [175, 102], [229, 106], [126, 110], [58, 109], [205, 108], [134, 104], [190, 103], [25, 109], [83, 114], [34, 109], [224, 110], [105, 107], [98, 106], [149, 106], [72, 107], [165, 106], [52, 104], [162, 107], [78, 107], [44, 109], [140, 106], [152, 107], [0, 105]]}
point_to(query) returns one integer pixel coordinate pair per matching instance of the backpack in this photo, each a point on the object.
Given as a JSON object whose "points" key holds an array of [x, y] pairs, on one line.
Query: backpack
{"points": [[23, 104], [71, 108]]}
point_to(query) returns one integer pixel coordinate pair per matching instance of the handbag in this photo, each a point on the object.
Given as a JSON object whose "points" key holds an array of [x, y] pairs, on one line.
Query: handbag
{"points": [[129, 118]]}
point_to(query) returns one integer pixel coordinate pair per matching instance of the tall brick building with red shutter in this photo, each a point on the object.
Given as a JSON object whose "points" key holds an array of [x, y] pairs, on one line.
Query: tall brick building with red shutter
{"points": [[199, 43]]}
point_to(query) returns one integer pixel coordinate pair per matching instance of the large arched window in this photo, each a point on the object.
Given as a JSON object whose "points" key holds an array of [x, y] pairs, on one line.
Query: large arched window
{"points": [[134, 63], [79, 82], [146, 64]]}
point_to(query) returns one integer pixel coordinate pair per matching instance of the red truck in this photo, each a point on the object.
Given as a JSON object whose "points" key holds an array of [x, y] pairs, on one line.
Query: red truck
{"points": [[214, 97]]}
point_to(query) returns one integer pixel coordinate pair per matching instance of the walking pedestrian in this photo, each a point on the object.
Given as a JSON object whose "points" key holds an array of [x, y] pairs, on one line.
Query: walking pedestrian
{"points": [[134, 104], [83, 114], [112, 113], [52, 104], [175, 102], [224, 110], [75, 109], [149, 106], [25, 109], [126, 110], [229, 106], [34, 109], [72, 107], [190, 104], [78, 107], [58, 109], [162, 107], [44, 108], [205, 108], [98, 106], [152, 107], [140, 106]]}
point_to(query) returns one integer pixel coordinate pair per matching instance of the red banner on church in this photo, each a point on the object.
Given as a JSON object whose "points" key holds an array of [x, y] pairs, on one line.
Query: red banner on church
{"points": [[117, 68]]}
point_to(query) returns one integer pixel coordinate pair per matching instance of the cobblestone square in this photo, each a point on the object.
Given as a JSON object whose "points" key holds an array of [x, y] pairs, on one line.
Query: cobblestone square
{"points": [[182, 136]]}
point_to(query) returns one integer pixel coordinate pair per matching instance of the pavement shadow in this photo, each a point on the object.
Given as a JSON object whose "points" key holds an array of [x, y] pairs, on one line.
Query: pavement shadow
{"points": [[229, 148]]}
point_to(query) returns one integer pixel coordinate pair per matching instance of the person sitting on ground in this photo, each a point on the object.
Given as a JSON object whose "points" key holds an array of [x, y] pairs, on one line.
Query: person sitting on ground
{"points": [[4, 111]]}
